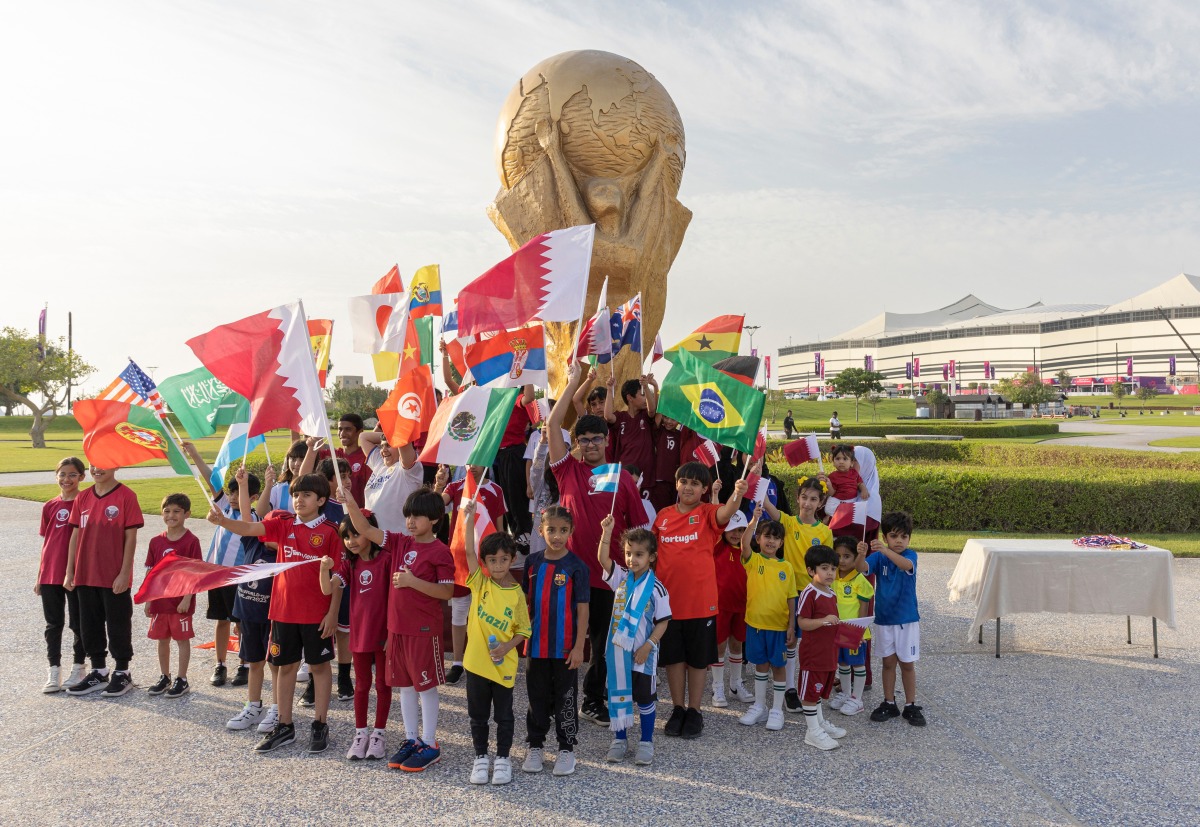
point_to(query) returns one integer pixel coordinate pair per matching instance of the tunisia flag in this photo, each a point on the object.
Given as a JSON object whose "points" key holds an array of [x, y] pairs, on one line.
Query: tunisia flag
{"points": [[409, 408], [268, 359]]}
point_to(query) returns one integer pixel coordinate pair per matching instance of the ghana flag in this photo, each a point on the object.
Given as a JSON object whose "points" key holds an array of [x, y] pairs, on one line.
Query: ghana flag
{"points": [[117, 434], [714, 405], [711, 341]]}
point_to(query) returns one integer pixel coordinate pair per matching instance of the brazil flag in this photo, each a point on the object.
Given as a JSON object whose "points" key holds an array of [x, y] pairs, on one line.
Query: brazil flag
{"points": [[711, 403], [117, 434]]}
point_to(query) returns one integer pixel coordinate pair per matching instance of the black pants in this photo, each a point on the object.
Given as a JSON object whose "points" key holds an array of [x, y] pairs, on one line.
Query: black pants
{"points": [[552, 691], [595, 682], [485, 700], [106, 622], [54, 597], [509, 473]]}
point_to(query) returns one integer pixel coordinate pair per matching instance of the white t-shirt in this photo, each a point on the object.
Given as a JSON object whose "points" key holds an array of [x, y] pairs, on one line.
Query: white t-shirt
{"points": [[834, 422], [388, 488], [535, 439], [657, 609]]}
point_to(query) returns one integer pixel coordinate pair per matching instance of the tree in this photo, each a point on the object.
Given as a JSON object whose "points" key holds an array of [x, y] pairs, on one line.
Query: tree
{"points": [[25, 374], [1146, 393], [1119, 391], [1064, 379], [937, 400], [1026, 388], [361, 399], [858, 383]]}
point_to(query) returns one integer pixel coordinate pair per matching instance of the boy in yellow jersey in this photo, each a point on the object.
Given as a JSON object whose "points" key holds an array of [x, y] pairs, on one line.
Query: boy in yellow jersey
{"points": [[801, 533], [853, 592], [770, 617]]}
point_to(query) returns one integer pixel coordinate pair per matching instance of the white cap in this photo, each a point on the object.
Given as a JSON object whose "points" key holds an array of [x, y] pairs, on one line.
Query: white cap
{"points": [[738, 520]]}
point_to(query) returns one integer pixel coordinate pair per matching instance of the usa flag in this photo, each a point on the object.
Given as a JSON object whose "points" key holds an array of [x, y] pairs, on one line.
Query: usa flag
{"points": [[132, 385]]}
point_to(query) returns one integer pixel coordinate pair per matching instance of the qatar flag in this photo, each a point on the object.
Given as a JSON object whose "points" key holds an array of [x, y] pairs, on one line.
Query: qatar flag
{"points": [[268, 359], [545, 280], [175, 576], [849, 514], [804, 449]]}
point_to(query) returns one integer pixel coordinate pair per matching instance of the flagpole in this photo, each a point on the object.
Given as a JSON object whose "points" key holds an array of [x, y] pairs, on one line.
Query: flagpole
{"points": [[174, 435], [820, 462], [266, 450], [337, 472]]}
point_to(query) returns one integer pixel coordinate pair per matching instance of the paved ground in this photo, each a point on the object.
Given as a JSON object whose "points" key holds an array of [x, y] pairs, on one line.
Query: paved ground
{"points": [[1071, 726], [135, 472], [1129, 435]]}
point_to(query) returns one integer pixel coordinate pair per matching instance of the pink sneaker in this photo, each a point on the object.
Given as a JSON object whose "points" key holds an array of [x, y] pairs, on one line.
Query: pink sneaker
{"points": [[375, 747], [358, 747]]}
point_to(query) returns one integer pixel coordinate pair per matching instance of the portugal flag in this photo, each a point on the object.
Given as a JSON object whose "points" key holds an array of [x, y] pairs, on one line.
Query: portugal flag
{"points": [[712, 341], [117, 434], [712, 404]]}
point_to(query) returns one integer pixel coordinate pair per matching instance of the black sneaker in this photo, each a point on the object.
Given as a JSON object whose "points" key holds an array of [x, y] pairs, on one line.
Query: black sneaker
{"points": [[280, 736], [791, 701], [693, 724], [218, 678], [241, 677], [600, 714], [320, 737], [161, 685], [455, 673], [674, 726], [346, 690], [588, 710], [92, 682], [179, 688], [912, 714], [118, 684], [885, 711], [310, 694]]}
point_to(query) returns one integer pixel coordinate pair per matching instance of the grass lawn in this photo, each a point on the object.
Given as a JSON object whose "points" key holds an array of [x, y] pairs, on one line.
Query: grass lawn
{"points": [[803, 410], [1160, 401], [19, 456], [946, 542], [1178, 442], [1175, 420], [150, 493]]}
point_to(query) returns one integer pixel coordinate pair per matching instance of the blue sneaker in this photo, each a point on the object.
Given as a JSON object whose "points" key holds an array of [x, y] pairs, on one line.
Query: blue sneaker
{"points": [[425, 756], [403, 754]]}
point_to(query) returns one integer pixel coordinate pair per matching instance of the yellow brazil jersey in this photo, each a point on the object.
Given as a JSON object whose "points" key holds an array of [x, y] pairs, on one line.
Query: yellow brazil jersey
{"points": [[797, 539], [770, 584], [853, 592], [495, 610]]}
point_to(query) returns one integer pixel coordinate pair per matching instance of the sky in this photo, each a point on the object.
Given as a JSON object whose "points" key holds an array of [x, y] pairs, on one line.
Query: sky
{"points": [[168, 167]]}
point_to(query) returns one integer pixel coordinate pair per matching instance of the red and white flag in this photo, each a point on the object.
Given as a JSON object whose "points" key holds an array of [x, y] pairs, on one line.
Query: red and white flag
{"points": [[538, 410], [595, 337], [760, 446], [175, 576], [849, 514], [370, 316], [483, 527], [268, 359], [804, 449], [658, 349], [756, 487], [707, 453], [545, 280]]}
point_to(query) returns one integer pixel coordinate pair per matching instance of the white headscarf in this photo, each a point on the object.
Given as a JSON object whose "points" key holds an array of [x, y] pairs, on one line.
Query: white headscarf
{"points": [[865, 458]]}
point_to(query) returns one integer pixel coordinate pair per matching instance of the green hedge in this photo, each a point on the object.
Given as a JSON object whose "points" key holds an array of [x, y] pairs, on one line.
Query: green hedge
{"points": [[1036, 499]]}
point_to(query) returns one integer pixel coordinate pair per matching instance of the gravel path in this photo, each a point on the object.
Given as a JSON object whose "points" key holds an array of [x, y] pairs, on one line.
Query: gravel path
{"points": [[1071, 726]]}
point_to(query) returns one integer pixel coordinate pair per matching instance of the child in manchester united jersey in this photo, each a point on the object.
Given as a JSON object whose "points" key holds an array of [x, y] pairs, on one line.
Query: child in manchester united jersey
{"points": [[171, 618], [817, 617]]}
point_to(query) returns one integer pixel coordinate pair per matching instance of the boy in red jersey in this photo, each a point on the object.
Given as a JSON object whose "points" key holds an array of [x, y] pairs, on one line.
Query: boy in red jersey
{"points": [[171, 618], [817, 615], [104, 521], [422, 579], [55, 532], [687, 534], [303, 619], [634, 438]]}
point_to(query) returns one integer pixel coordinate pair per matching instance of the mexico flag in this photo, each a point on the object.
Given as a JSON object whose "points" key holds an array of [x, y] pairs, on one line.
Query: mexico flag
{"points": [[467, 428], [175, 576], [118, 434]]}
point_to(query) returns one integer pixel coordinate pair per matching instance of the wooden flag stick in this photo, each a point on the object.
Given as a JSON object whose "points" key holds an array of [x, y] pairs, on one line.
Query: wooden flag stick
{"points": [[820, 462], [171, 432]]}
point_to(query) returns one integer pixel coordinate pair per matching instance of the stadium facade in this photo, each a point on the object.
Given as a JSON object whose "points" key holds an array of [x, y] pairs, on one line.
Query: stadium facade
{"points": [[1132, 342]]}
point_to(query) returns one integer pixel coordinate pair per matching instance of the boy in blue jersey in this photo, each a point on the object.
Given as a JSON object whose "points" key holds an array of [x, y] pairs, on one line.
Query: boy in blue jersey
{"points": [[897, 621]]}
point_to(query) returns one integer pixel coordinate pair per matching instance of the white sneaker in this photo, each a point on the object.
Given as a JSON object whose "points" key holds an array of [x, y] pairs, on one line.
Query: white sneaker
{"points": [[852, 706], [248, 717], [534, 760], [78, 673], [820, 739], [775, 720], [718, 700], [837, 700], [375, 746], [270, 719], [52, 681], [502, 771], [616, 751], [742, 693], [479, 770], [358, 747], [302, 673], [754, 715], [831, 730], [645, 754], [565, 765]]}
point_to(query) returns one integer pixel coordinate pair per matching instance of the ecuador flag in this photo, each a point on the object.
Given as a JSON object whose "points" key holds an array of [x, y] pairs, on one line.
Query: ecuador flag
{"points": [[712, 341], [714, 405], [117, 434]]}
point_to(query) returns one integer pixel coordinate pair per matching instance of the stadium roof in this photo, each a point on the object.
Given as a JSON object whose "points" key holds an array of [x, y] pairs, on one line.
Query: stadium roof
{"points": [[1181, 291], [966, 308]]}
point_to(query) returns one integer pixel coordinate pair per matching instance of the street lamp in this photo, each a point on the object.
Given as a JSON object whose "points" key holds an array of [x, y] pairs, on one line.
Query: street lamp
{"points": [[750, 328]]}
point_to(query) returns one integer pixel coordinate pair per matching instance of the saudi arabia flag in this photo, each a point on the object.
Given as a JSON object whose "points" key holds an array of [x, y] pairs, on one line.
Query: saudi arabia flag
{"points": [[202, 402], [712, 404], [117, 434], [467, 428]]}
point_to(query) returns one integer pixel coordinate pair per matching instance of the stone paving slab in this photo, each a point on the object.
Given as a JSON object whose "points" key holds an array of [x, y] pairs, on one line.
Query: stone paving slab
{"points": [[1070, 726]]}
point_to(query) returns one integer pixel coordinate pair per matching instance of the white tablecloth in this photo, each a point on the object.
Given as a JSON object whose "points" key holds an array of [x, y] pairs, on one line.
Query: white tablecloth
{"points": [[1004, 577]]}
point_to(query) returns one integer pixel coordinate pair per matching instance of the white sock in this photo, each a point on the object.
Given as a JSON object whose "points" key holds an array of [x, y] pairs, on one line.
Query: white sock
{"points": [[820, 714], [103, 672], [360, 730], [456, 663], [735, 668], [858, 681], [790, 666], [718, 673], [777, 701], [409, 711], [429, 715], [760, 688], [811, 717], [255, 704], [377, 731], [844, 677]]}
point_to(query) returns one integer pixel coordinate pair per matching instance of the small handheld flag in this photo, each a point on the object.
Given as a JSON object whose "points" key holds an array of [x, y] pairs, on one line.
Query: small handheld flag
{"points": [[606, 478], [804, 449], [707, 453], [849, 514]]}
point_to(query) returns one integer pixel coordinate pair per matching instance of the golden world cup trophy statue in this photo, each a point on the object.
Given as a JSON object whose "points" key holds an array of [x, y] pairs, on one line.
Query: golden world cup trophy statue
{"points": [[591, 137]]}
